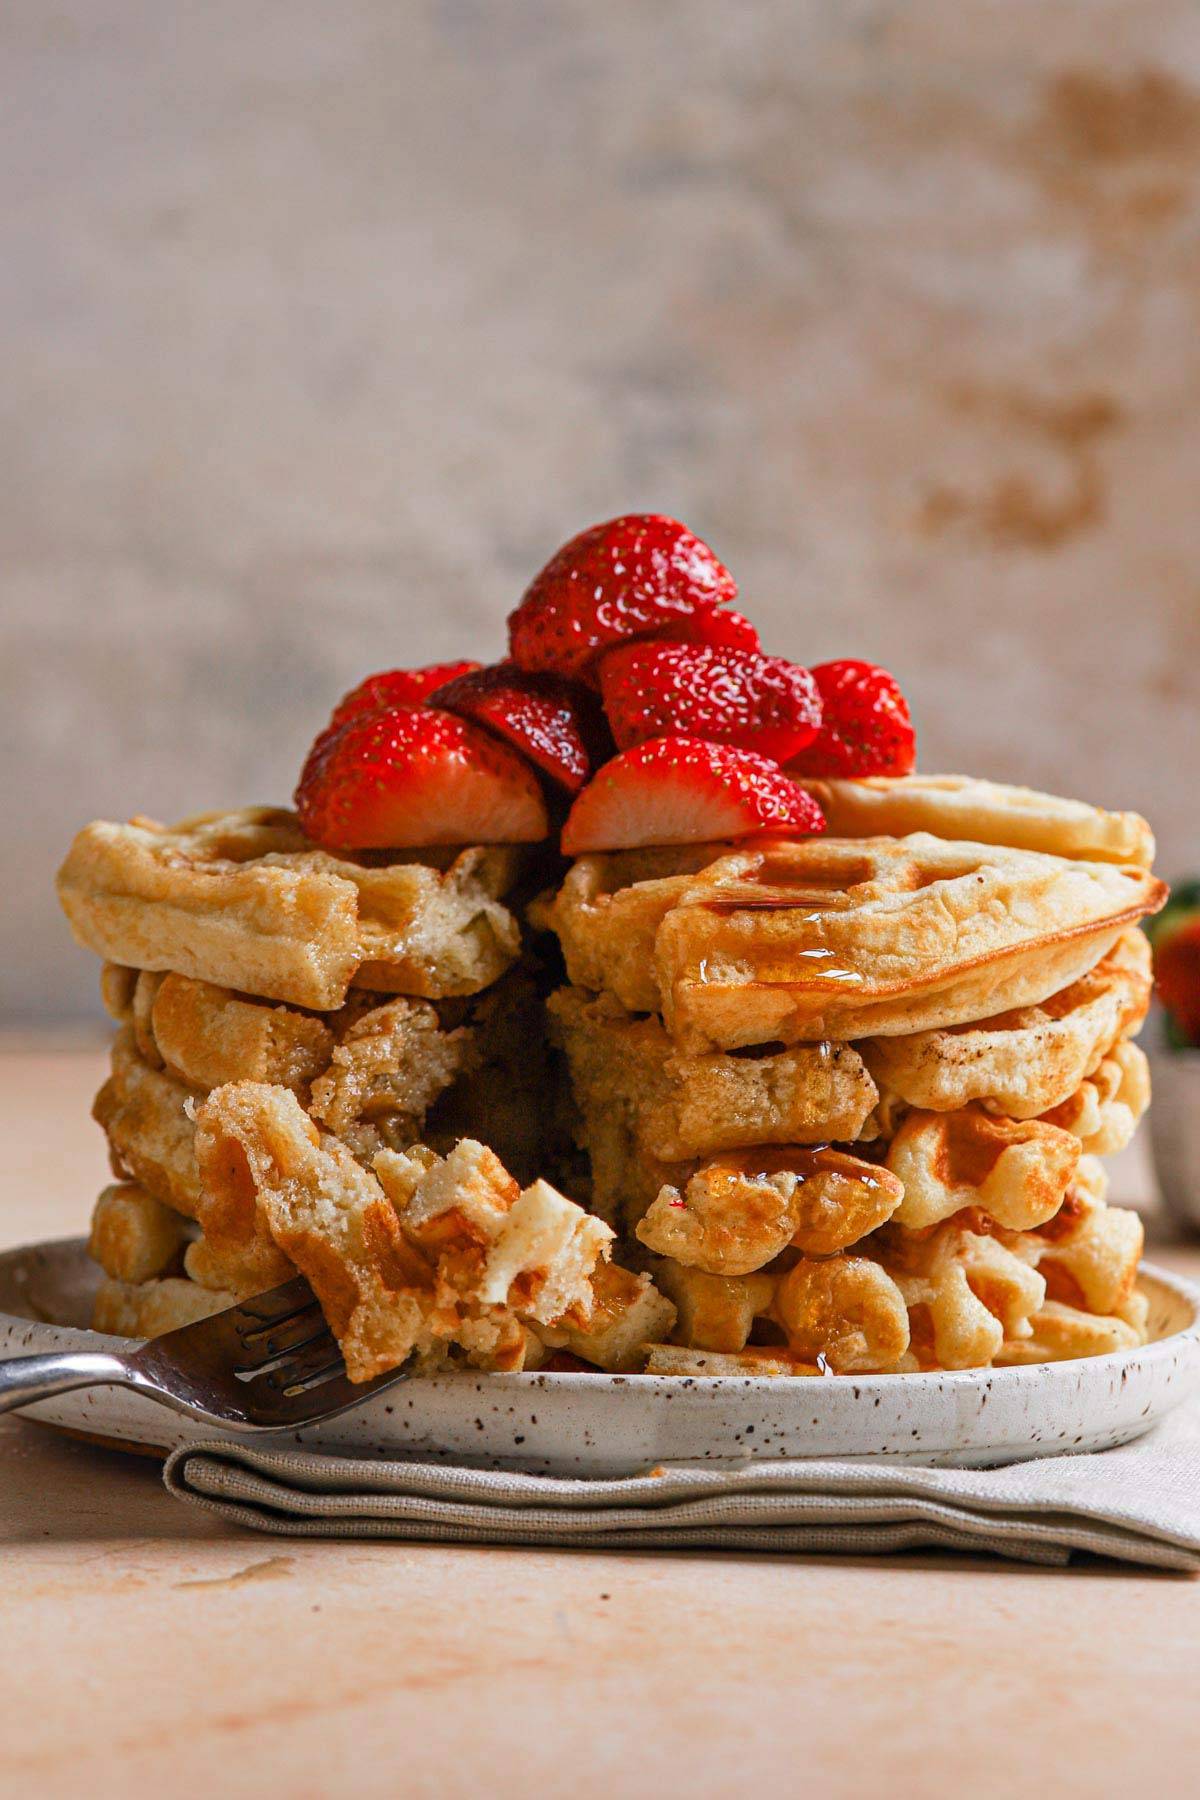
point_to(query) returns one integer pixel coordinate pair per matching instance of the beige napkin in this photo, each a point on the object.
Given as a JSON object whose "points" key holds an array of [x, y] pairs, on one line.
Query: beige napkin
{"points": [[1139, 1503]]}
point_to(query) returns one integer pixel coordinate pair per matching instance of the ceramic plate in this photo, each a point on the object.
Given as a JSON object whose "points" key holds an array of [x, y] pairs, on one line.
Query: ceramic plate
{"points": [[609, 1424]]}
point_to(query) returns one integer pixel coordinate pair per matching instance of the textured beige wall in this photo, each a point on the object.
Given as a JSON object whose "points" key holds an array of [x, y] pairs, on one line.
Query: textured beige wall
{"points": [[321, 325]]}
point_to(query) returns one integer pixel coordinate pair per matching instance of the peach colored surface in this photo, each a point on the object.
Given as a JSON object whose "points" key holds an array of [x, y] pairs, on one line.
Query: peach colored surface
{"points": [[149, 1651]]}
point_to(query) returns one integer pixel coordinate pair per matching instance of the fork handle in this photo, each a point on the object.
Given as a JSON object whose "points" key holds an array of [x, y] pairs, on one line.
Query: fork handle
{"points": [[24, 1379]]}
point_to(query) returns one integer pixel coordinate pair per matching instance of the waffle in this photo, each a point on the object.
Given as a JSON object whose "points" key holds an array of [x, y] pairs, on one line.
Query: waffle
{"points": [[147, 1309], [134, 1237], [205, 1035], [962, 809], [628, 1313], [1104, 1111], [834, 938], [683, 1106], [1023, 1062], [244, 901], [738, 1211], [966, 1292], [714, 1312], [1089, 1252], [430, 1253], [390, 1066], [144, 1113], [369, 1072], [1016, 1171]]}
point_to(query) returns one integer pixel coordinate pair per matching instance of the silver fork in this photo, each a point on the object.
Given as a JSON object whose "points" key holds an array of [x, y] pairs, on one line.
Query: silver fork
{"points": [[270, 1363]]}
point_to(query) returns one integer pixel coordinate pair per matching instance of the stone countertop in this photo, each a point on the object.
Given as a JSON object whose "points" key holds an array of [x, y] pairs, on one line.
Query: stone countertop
{"points": [[150, 1649]]}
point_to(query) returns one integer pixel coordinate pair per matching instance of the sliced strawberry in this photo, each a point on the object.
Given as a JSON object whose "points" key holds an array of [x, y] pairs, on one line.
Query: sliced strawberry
{"points": [[410, 777], [548, 719], [759, 703], [865, 728], [643, 575], [678, 790], [397, 687]]}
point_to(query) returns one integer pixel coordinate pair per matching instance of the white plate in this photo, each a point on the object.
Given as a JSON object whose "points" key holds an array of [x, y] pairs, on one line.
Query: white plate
{"points": [[609, 1424]]}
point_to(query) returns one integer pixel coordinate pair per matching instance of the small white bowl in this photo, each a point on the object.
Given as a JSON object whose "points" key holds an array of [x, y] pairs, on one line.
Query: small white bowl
{"points": [[1174, 1120]]}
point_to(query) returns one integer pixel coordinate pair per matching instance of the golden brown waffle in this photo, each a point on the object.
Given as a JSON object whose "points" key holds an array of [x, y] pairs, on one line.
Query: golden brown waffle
{"points": [[1089, 1252], [835, 938], [390, 1066], [680, 1106], [1023, 1062], [737, 1211], [147, 1309], [628, 1313], [1061, 1333], [1017, 1171], [964, 810], [966, 1292], [144, 1114], [244, 901], [205, 1035], [1104, 1111], [714, 1312], [134, 1237], [379, 1066], [452, 1252]]}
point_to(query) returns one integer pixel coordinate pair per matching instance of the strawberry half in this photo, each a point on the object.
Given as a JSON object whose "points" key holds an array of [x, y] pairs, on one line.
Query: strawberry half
{"points": [[397, 687], [759, 703], [642, 575], [547, 718], [865, 728], [678, 790], [411, 777]]}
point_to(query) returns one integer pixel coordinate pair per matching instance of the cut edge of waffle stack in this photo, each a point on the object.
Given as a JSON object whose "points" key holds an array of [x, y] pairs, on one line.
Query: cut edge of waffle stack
{"points": [[273, 1107], [819, 1148]]}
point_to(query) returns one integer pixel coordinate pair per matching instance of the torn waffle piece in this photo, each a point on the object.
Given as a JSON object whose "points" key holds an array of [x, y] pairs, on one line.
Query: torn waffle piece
{"points": [[429, 1255]]}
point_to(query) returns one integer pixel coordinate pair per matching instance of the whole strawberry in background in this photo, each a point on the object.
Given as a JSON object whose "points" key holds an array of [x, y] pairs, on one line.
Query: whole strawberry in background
{"points": [[1175, 940], [642, 575]]}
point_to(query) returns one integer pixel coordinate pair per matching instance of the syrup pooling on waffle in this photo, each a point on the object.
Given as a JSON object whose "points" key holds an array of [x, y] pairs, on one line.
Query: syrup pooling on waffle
{"points": [[796, 942], [842, 1094], [737, 1212]]}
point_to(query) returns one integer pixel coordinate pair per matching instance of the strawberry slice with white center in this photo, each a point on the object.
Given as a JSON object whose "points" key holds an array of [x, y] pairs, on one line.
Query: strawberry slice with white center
{"points": [[678, 790], [551, 721], [414, 777]]}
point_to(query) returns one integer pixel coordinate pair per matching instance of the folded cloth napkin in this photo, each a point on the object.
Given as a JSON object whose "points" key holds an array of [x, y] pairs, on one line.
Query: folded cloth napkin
{"points": [[1139, 1503]]}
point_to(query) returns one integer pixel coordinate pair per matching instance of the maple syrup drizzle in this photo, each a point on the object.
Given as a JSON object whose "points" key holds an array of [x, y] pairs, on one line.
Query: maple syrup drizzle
{"points": [[761, 890]]}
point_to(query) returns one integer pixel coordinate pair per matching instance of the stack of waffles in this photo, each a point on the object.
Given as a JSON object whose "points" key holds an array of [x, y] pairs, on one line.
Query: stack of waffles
{"points": [[846, 1097], [628, 1003], [310, 1050]]}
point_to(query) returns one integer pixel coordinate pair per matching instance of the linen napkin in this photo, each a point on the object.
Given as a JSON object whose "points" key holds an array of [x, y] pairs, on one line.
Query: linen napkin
{"points": [[1139, 1503]]}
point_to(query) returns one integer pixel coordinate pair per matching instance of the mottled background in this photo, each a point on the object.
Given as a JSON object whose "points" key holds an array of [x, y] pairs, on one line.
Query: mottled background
{"points": [[321, 325]]}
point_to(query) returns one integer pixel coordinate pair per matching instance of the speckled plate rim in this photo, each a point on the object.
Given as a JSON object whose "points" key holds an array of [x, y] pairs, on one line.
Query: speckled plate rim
{"points": [[596, 1423]]}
